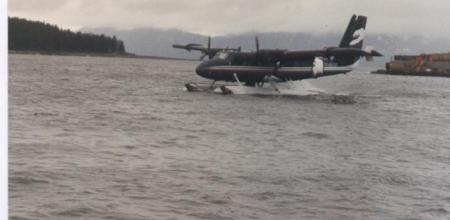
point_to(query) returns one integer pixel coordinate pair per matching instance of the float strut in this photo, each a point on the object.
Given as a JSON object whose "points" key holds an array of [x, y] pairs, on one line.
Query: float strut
{"points": [[212, 84], [272, 83], [237, 79]]}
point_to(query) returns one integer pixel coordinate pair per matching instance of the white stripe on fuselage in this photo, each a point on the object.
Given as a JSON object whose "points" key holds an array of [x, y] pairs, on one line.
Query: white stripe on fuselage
{"points": [[281, 69]]}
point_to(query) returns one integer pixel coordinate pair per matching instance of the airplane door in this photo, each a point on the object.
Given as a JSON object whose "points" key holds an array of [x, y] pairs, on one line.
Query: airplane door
{"points": [[318, 66]]}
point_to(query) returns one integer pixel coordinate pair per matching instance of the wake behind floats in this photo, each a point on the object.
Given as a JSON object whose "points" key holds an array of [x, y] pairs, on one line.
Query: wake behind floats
{"points": [[250, 70]]}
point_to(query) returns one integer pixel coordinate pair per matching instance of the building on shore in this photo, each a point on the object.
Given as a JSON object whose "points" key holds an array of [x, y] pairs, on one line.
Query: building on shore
{"points": [[437, 64]]}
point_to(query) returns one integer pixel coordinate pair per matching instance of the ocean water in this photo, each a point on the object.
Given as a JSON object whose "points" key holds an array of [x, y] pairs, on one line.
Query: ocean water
{"points": [[115, 138]]}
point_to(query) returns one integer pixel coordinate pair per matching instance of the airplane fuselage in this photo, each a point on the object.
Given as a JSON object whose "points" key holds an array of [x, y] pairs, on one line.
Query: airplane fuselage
{"points": [[259, 66], [228, 67]]}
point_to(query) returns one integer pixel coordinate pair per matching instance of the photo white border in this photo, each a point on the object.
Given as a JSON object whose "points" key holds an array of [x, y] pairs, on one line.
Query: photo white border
{"points": [[3, 110]]}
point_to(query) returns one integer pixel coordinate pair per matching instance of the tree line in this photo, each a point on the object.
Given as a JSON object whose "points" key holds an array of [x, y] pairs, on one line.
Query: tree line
{"points": [[26, 35]]}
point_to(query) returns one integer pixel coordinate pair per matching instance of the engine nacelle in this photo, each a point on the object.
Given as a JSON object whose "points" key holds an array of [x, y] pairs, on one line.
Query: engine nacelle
{"points": [[318, 66]]}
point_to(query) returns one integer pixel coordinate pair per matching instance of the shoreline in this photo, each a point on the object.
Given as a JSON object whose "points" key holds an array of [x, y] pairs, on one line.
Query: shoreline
{"points": [[107, 55]]}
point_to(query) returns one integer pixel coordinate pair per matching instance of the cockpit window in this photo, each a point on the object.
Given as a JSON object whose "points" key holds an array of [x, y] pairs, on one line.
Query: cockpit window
{"points": [[221, 55]]}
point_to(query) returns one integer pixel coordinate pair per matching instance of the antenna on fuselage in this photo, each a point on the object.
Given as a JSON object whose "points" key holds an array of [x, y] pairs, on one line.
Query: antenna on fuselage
{"points": [[257, 43]]}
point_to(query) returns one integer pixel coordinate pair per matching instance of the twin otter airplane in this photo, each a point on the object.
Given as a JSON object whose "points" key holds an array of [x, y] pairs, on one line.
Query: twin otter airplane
{"points": [[252, 69]]}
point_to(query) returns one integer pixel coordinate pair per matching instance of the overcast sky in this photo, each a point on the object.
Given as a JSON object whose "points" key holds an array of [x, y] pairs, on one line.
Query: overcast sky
{"points": [[218, 17]]}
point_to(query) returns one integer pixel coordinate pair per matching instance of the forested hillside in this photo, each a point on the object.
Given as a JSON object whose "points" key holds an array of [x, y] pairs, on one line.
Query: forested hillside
{"points": [[26, 35]]}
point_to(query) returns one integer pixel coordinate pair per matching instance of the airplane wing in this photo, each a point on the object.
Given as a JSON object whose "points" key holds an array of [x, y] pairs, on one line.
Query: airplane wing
{"points": [[189, 47]]}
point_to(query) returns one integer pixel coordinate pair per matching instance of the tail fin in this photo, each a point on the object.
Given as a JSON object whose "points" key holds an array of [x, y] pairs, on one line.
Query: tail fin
{"points": [[354, 35]]}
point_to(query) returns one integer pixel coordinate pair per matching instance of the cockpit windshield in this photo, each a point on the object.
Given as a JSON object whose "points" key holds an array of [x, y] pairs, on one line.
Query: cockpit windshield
{"points": [[221, 55]]}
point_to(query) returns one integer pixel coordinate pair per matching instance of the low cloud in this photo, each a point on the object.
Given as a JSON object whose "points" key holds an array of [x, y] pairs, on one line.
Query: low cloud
{"points": [[220, 17]]}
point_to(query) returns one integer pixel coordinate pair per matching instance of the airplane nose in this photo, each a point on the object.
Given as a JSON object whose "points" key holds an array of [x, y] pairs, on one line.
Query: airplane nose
{"points": [[204, 69], [201, 69]]}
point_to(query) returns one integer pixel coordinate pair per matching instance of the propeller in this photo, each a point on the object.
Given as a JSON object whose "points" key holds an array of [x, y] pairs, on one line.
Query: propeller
{"points": [[209, 43], [208, 50], [257, 43]]}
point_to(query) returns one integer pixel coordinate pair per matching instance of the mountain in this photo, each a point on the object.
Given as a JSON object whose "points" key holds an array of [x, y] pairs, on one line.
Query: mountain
{"points": [[158, 42]]}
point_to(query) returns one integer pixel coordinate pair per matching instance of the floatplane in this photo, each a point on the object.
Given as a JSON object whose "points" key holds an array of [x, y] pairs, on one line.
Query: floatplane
{"points": [[278, 68]]}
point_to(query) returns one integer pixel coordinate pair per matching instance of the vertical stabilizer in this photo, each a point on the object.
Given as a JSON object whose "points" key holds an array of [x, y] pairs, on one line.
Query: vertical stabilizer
{"points": [[354, 35]]}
